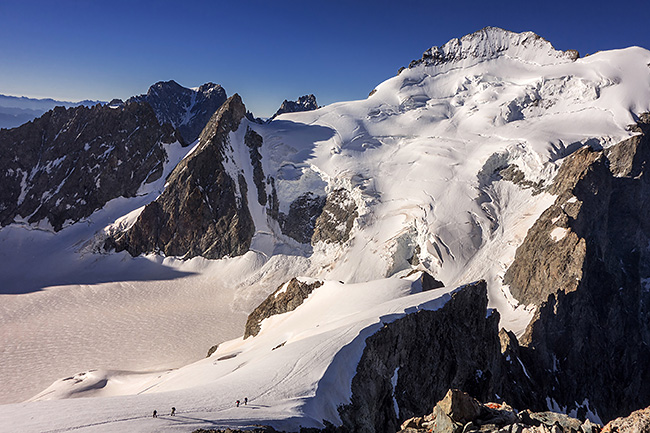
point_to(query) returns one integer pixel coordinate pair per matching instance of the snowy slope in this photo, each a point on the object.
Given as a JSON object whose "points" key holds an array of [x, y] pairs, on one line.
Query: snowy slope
{"points": [[419, 157], [309, 358]]}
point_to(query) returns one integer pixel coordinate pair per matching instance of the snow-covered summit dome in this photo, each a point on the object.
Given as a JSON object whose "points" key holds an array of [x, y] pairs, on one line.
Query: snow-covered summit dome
{"points": [[493, 42]]}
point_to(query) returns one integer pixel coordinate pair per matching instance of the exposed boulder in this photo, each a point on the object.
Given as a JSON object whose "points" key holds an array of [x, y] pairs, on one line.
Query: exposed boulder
{"points": [[459, 412], [188, 110], [304, 103], [287, 297], [459, 406], [636, 422], [203, 211], [70, 162]]}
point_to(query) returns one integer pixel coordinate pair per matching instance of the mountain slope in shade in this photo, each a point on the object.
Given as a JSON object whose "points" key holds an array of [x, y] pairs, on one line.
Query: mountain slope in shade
{"points": [[68, 163], [203, 209], [187, 110]]}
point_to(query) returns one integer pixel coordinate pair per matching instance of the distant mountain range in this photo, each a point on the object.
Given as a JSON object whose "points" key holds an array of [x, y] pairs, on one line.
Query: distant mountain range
{"points": [[16, 110]]}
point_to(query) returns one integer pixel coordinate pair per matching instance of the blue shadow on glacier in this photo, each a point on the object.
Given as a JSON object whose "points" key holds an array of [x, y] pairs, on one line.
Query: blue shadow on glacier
{"points": [[303, 136], [100, 268]]}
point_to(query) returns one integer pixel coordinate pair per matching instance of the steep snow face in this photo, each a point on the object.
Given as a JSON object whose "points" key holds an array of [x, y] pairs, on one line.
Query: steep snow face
{"points": [[422, 155]]}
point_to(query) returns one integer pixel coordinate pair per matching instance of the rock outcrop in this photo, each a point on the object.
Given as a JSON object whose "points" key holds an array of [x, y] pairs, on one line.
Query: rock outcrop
{"points": [[636, 422], [585, 263], [300, 222], [254, 142], [304, 103], [68, 163], [287, 297], [336, 220], [187, 110], [424, 354], [203, 211], [458, 412]]}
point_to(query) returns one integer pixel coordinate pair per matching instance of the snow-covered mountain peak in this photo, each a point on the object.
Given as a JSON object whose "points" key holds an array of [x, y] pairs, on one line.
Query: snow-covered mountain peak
{"points": [[493, 42]]}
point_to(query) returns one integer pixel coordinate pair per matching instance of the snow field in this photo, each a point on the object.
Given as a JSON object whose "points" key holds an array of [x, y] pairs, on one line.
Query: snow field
{"points": [[314, 360]]}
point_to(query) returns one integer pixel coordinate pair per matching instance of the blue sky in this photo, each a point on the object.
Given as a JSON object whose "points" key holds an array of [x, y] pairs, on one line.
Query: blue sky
{"points": [[268, 51]]}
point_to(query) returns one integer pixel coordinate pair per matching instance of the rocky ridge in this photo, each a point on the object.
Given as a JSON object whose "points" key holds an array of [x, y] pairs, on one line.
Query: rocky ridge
{"points": [[254, 142], [584, 263], [637, 422], [187, 110], [68, 163], [304, 103], [203, 211]]}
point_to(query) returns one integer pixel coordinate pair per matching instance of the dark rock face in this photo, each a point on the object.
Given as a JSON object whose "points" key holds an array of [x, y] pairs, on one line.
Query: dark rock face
{"points": [[202, 211], [586, 263], [70, 162], [273, 208], [254, 141], [286, 298], [304, 103], [185, 109], [430, 283], [336, 219], [300, 222], [456, 346]]}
